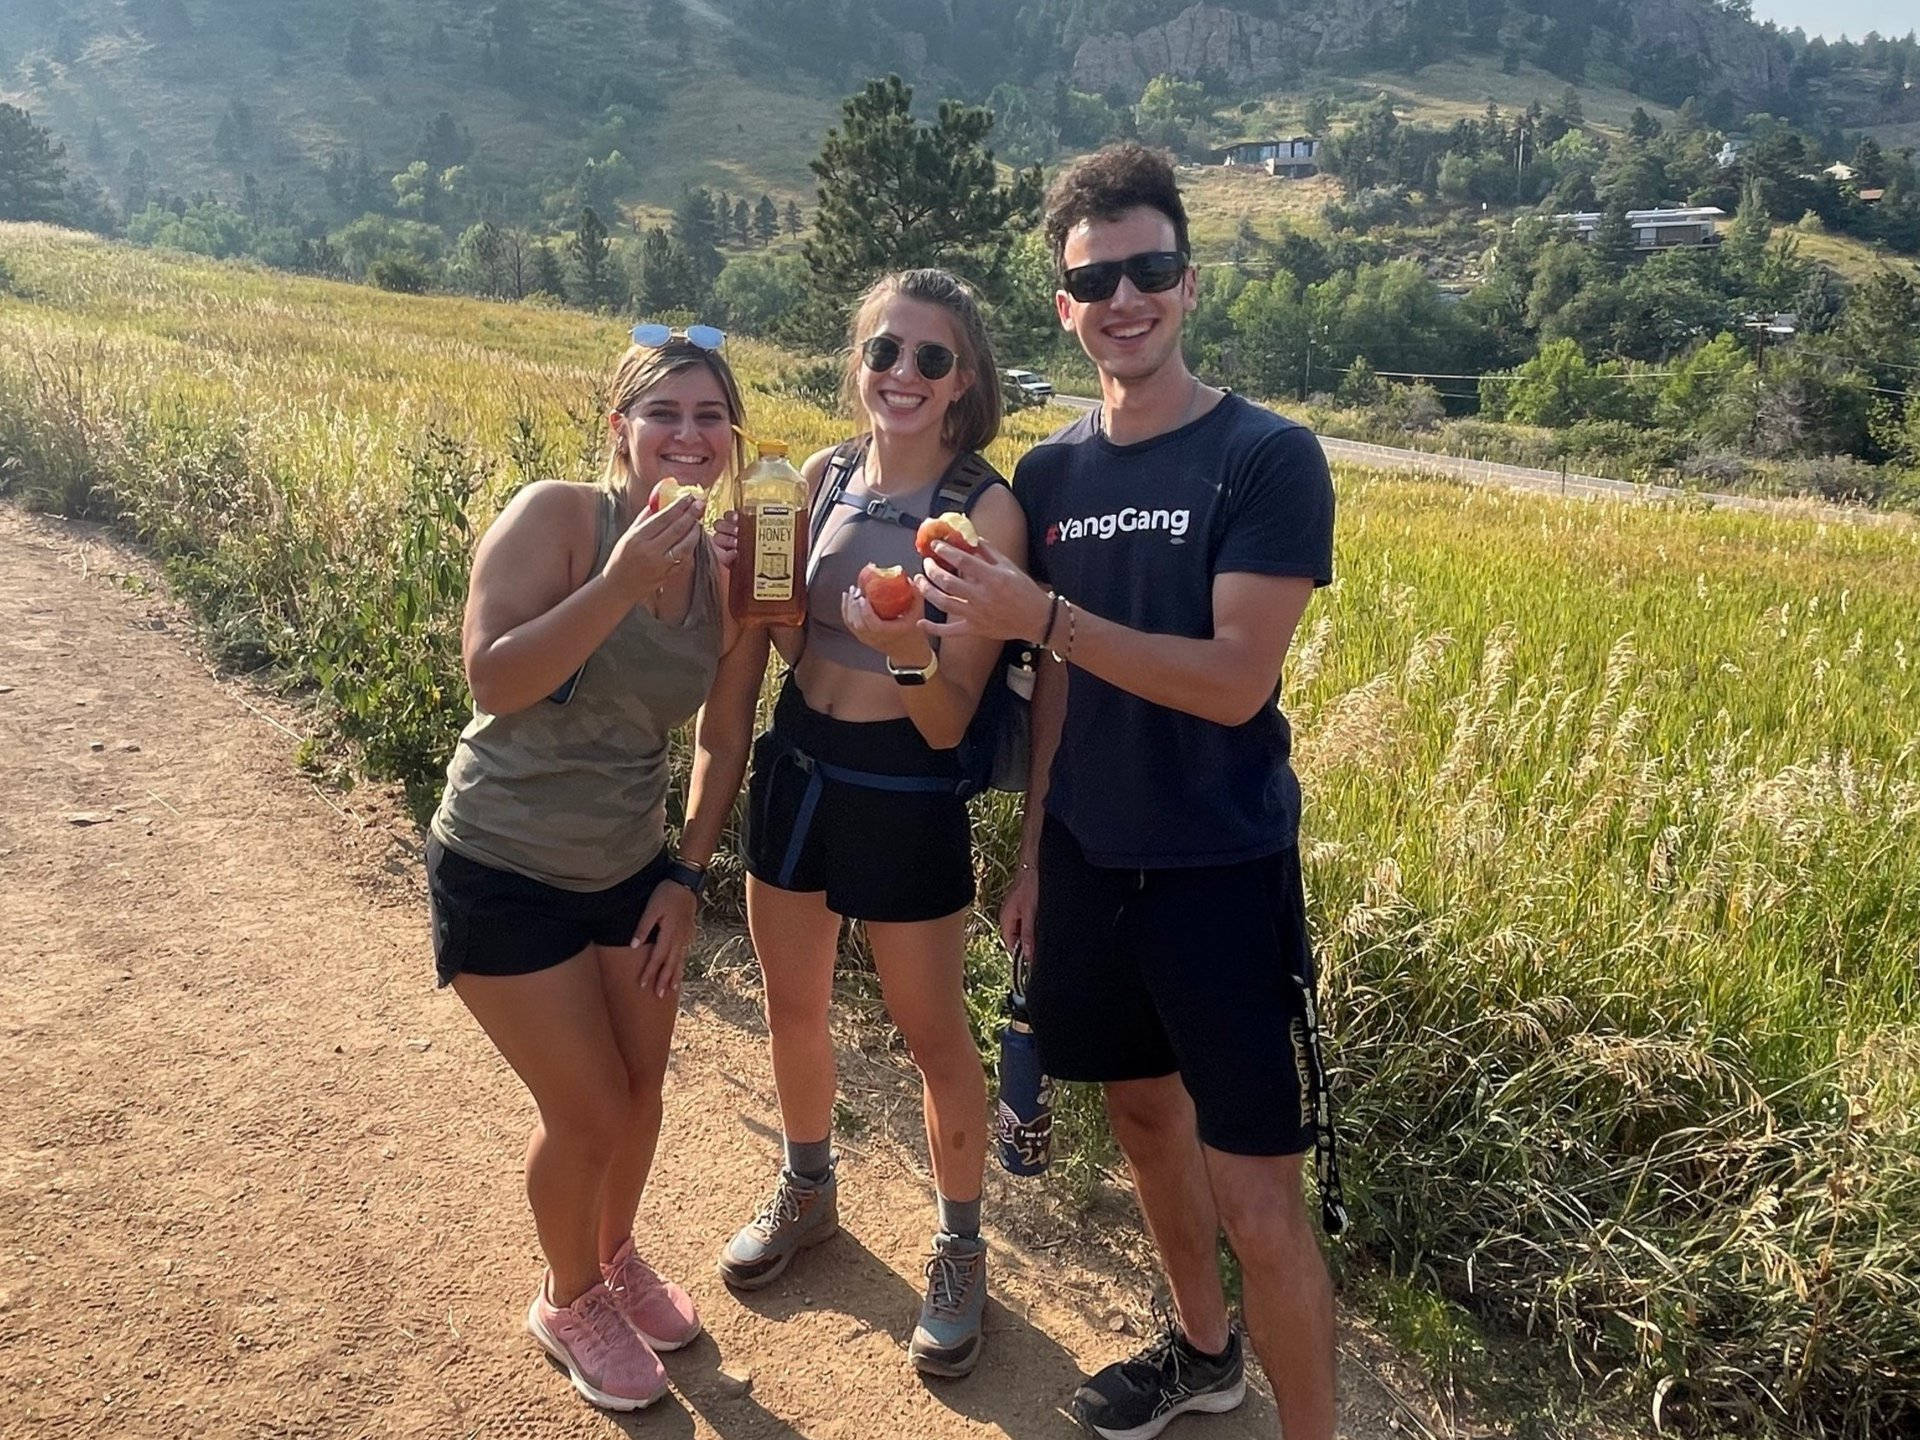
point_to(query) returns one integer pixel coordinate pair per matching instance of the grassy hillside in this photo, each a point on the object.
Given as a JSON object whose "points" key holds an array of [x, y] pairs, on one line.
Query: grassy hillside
{"points": [[692, 120], [1620, 963]]}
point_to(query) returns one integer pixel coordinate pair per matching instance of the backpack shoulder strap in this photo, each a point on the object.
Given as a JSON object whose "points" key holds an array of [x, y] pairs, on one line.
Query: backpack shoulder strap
{"points": [[970, 477], [833, 484]]}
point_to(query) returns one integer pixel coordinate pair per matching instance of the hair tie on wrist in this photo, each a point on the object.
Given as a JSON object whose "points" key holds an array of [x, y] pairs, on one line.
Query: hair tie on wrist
{"points": [[1053, 614]]}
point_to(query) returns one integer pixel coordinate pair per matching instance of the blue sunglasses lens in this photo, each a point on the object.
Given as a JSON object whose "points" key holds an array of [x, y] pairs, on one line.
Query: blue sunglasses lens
{"points": [[706, 337]]}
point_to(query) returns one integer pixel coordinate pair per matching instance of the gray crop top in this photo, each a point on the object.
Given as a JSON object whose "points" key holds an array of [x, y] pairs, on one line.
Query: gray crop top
{"points": [[853, 536]]}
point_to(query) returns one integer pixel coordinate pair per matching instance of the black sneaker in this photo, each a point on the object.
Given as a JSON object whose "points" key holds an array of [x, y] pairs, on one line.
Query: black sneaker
{"points": [[1134, 1399]]}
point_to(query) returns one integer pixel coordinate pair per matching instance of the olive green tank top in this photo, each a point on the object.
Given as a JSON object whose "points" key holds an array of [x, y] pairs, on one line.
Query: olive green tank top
{"points": [[574, 794]]}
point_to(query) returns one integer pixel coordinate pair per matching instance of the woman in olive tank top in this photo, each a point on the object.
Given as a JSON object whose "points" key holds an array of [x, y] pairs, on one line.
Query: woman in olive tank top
{"points": [[595, 622], [855, 808]]}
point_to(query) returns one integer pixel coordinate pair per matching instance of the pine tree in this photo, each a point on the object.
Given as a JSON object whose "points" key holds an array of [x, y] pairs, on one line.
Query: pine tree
{"points": [[594, 283], [695, 232], [766, 220], [896, 193], [136, 183], [1570, 108], [743, 221], [32, 179], [97, 143], [547, 275], [1611, 249], [794, 223]]}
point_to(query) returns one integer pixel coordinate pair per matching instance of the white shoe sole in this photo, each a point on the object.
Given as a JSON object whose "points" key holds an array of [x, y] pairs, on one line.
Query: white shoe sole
{"points": [[667, 1347], [1217, 1403], [588, 1391]]}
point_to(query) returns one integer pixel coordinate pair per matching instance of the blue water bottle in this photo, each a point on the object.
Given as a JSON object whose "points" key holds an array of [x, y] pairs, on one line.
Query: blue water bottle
{"points": [[1023, 1121]]}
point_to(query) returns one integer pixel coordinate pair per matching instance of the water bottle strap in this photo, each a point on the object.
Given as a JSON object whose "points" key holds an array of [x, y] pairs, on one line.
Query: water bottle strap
{"points": [[1326, 1150]]}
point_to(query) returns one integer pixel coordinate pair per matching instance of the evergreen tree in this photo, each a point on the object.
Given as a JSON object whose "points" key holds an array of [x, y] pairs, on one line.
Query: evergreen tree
{"points": [[743, 221], [547, 275], [896, 193], [590, 250], [97, 143], [444, 143], [794, 223], [136, 182], [766, 220], [697, 235], [665, 277], [1744, 250], [1611, 249], [32, 178], [1570, 109]]}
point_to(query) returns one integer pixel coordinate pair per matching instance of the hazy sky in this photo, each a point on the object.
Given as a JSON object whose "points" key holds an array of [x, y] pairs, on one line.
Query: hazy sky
{"points": [[1834, 18]]}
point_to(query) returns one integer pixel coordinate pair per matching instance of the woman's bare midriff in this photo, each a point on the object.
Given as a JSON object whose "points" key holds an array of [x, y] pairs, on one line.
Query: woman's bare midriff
{"points": [[845, 693]]}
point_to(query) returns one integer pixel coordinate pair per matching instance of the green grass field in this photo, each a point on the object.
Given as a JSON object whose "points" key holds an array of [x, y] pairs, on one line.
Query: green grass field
{"points": [[1612, 834]]}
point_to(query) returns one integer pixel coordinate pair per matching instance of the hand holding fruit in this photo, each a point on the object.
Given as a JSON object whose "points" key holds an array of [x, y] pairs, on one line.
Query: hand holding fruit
{"points": [[982, 592], [882, 611], [656, 544]]}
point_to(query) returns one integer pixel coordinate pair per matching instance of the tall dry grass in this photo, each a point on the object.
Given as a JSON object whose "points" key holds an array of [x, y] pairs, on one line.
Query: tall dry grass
{"points": [[1613, 825]]}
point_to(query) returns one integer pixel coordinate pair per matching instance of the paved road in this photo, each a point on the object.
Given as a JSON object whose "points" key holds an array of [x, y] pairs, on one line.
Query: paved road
{"points": [[1523, 477]]}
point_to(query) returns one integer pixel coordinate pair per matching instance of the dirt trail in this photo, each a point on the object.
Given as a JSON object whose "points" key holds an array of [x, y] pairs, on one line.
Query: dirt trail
{"points": [[257, 1177]]}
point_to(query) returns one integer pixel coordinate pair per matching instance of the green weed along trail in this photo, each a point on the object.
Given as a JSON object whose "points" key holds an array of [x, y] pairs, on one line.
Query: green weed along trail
{"points": [[1613, 811]]}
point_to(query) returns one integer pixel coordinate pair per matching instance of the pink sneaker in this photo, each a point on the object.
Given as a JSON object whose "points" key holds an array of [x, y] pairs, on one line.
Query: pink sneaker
{"points": [[660, 1312], [610, 1365]]}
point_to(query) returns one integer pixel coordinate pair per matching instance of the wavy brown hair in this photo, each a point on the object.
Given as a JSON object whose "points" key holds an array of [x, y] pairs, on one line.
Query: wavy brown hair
{"points": [[1107, 184], [973, 420]]}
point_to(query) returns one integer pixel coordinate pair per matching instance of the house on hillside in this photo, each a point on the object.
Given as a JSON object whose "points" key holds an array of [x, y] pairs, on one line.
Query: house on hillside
{"points": [[1679, 229], [1293, 159]]}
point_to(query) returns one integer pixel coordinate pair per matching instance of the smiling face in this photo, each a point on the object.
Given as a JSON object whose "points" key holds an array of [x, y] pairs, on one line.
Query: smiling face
{"points": [[901, 401], [680, 429], [1130, 335]]}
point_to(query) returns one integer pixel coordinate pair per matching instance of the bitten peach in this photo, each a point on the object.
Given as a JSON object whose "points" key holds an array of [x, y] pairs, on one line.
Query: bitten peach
{"points": [[888, 590], [952, 527], [667, 492]]}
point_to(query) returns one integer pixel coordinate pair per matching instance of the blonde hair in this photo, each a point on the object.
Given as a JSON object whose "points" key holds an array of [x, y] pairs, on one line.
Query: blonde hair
{"points": [[973, 420], [645, 366]]}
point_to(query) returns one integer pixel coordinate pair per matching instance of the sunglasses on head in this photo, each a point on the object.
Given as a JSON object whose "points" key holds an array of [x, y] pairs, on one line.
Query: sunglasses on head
{"points": [[1151, 271], [705, 337], [933, 360]]}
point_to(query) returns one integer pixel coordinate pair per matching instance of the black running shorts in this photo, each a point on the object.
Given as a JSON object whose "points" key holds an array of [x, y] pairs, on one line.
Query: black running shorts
{"points": [[496, 922], [1201, 971], [883, 855]]}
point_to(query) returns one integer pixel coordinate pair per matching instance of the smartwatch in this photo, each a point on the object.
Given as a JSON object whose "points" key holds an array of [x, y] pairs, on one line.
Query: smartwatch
{"points": [[919, 676]]}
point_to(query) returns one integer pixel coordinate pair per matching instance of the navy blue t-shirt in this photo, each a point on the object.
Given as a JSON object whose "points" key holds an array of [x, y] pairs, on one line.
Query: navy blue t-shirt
{"points": [[1136, 534]]}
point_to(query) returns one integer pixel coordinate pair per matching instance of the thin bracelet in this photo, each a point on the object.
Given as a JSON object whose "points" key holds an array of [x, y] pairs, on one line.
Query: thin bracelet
{"points": [[1053, 614], [1071, 627]]}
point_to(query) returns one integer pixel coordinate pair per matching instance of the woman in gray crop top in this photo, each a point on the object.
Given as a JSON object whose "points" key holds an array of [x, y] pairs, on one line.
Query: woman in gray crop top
{"points": [[854, 811], [595, 623]]}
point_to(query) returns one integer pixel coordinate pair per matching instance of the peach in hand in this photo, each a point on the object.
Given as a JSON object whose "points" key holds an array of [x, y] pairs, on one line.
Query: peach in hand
{"points": [[887, 589]]}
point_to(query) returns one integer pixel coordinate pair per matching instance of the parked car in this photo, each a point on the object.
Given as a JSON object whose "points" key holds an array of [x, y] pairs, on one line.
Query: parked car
{"points": [[1022, 388]]}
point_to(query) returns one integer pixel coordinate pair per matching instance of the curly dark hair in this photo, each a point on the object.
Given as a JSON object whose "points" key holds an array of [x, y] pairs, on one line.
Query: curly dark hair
{"points": [[1107, 184]]}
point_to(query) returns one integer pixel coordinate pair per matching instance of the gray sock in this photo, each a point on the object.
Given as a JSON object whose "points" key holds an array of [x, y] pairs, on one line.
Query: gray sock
{"points": [[811, 1160], [960, 1217]]}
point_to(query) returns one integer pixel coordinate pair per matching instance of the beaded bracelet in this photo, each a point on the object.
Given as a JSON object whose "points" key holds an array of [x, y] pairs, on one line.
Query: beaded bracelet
{"points": [[1053, 613], [1071, 629]]}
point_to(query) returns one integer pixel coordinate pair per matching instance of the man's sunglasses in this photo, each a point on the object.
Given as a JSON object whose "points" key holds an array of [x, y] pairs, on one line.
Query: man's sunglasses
{"points": [[1151, 271], [933, 360], [705, 337]]}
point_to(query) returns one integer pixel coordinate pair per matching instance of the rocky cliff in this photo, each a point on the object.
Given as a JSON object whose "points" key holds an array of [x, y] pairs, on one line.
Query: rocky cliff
{"points": [[1273, 37]]}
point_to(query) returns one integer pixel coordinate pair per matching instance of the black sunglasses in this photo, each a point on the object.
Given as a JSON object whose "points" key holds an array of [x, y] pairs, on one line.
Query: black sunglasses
{"points": [[933, 360], [1151, 271]]}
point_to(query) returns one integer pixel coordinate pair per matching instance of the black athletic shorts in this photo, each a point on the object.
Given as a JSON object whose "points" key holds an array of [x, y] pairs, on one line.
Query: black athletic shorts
{"points": [[1204, 971], [884, 855], [495, 922]]}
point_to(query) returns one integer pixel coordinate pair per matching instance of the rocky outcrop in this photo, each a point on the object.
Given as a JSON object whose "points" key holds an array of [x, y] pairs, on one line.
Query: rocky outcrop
{"points": [[1276, 37], [1242, 46], [1737, 55]]}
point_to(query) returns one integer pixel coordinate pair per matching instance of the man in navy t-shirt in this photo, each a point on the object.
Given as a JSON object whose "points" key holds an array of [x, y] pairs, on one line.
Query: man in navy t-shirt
{"points": [[1176, 535]]}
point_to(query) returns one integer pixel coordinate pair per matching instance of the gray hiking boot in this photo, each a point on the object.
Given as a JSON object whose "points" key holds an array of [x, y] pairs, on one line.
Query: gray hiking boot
{"points": [[947, 1339], [795, 1216]]}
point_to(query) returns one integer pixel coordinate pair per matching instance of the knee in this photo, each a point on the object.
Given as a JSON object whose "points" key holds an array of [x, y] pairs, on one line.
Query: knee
{"points": [[795, 1016], [941, 1046], [1265, 1220], [595, 1122], [1147, 1113]]}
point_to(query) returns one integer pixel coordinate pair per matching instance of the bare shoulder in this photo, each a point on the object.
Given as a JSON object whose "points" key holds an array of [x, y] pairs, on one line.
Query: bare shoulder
{"points": [[999, 515], [548, 522]]}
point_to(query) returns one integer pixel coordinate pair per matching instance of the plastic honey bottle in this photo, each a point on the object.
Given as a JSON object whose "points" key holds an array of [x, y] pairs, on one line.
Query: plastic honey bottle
{"points": [[768, 585]]}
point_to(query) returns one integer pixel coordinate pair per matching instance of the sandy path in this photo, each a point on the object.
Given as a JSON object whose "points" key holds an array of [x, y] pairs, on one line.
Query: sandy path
{"points": [[257, 1177]]}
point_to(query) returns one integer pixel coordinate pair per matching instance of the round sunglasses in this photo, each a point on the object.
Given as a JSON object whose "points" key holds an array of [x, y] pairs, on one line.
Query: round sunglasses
{"points": [[933, 360], [704, 337], [1151, 272]]}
